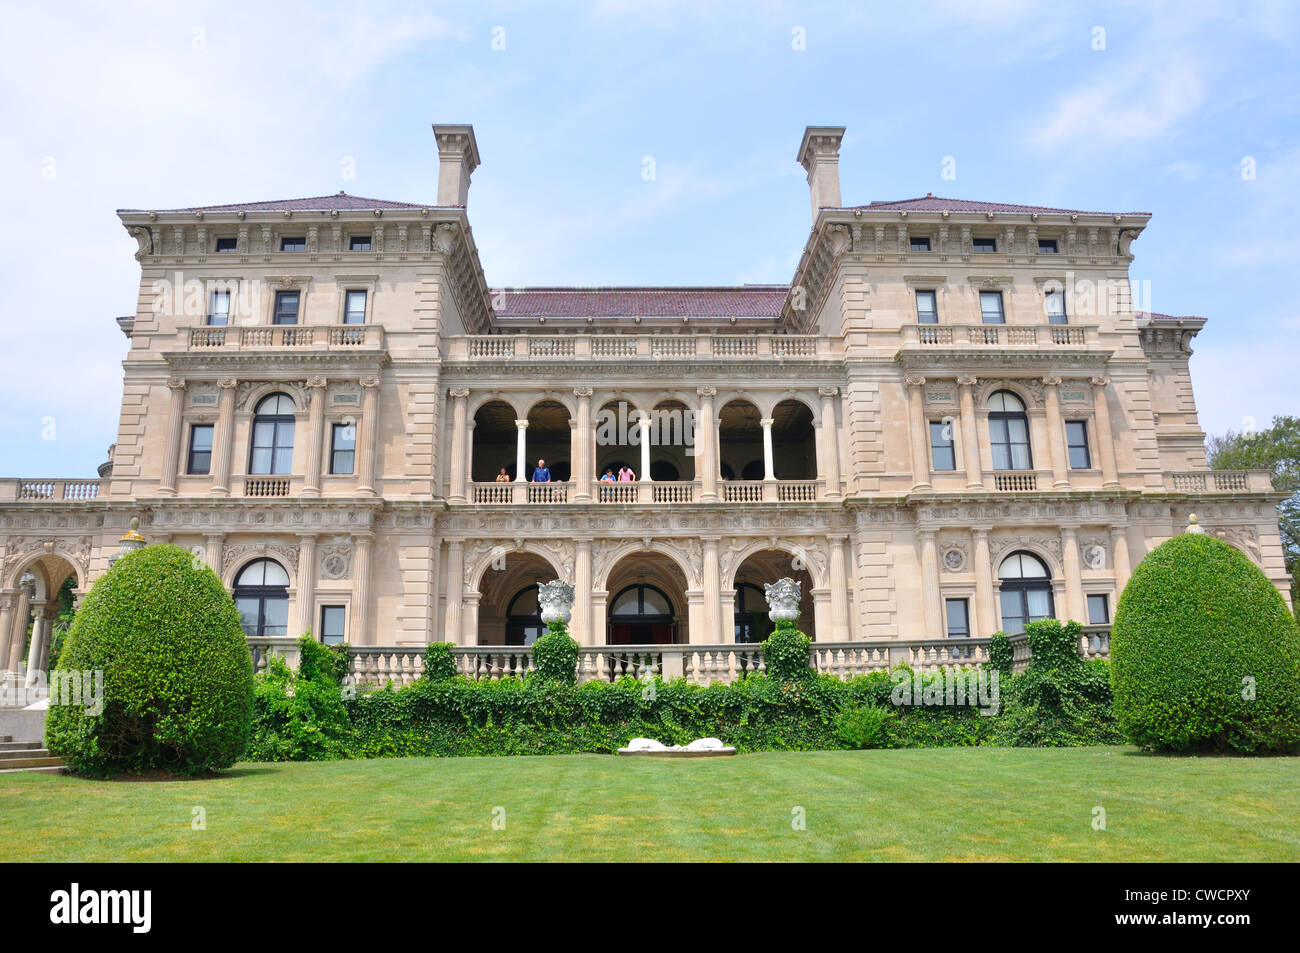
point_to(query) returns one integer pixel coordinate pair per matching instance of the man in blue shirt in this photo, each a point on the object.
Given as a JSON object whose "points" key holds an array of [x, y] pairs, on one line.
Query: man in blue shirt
{"points": [[542, 474]]}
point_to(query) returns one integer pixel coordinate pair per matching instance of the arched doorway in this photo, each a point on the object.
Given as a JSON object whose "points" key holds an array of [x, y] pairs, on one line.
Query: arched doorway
{"points": [[647, 601], [794, 441], [549, 437], [524, 624], [672, 442], [751, 622], [262, 598], [740, 441], [493, 444], [759, 569], [46, 590], [508, 613]]}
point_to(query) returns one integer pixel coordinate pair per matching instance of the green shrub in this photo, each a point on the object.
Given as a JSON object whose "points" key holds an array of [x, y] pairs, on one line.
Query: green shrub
{"points": [[786, 653], [1204, 653], [297, 717], [439, 663], [178, 679], [556, 655], [317, 661], [865, 726], [1001, 655]]}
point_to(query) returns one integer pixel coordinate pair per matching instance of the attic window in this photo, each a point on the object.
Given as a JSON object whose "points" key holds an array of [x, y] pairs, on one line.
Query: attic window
{"points": [[293, 244], [227, 244], [1047, 246], [920, 243], [985, 244], [359, 243]]}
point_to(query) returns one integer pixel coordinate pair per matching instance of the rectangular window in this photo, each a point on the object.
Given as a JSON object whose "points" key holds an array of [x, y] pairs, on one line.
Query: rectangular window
{"points": [[1055, 303], [927, 312], [1047, 246], [359, 243], [286, 307], [220, 313], [991, 307], [343, 448], [1009, 441], [941, 447], [984, 245], [332, 622], [958, 615], [354, 309], [1076, 439], [293, 244], [920, 243], [1098, 610], [227, 244], [200, 449]]}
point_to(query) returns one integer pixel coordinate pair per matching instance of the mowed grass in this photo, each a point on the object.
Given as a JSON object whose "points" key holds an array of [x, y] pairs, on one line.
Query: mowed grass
{"points": [[948, 804]]}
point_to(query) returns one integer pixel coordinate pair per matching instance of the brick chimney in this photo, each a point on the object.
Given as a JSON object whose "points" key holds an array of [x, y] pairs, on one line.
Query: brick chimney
{"points": [[819, 154], [457, 159]]}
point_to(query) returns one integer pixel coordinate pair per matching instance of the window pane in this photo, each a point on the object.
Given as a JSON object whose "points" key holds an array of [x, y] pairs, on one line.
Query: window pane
{"points": [[958, 624], [941, 446], [1076, 436], [926, 311], [331, 625], [1047, 246], [276, 609], [360, 243], [1039, 602], [655, 604], [985, 244], [248, 611], [1055, 302], [1013, 619], [628, 603], [274, 574], [1098, 610], [991, 307]]}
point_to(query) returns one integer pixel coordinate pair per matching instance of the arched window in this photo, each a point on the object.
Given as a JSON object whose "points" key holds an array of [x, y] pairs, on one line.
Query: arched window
{"points": [[262, 598], [1009, 432], [751, 621], [1026, 591], [272, 444], [753, 470], [524, 618], [640, 614]]}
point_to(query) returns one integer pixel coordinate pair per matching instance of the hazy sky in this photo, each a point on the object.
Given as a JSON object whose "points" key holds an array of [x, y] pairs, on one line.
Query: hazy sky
{"points": [[158, 105]]}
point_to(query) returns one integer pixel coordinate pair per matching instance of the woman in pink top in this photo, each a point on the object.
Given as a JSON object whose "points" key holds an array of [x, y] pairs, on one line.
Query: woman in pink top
{"points": [[626, 475]]}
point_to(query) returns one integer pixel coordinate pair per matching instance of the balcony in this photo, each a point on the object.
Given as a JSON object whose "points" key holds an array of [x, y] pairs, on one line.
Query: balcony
{"points": [[48, 491], [1219, 481], [657, 491], [642, 347], [338, 337], [999, 335]]}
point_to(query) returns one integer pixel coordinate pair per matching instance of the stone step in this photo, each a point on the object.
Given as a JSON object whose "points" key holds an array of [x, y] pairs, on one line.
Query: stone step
{"points": [[48, 769], [6, 737], [18, 745], [38, 760], [35, 751]]}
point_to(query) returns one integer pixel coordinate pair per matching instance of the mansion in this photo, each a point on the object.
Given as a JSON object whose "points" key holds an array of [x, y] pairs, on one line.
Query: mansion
{"points": [[952, 421]]}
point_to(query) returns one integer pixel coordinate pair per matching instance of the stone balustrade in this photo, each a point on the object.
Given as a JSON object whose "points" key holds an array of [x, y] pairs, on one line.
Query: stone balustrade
{"points": [[48, 490], [288, 336], [654, 491], [999, 335], [1220, 481], [646, 346]]}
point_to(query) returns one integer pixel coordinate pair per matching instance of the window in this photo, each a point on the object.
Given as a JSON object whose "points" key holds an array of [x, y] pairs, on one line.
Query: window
{"points": [[524, 618], [286, 307], [262, 598], [942, 455], [227, 244], [343, 448], [272, 451], [1009, 432], [927, 312], [220, 313], [1054, 301], [1098, 609], [1047, 246], [359, 243], [293, 244], [332, 624], [1076, 439], [751, 622], [354, 308], [984, 245], [957, 612], [920, 243], [991, 307], [641, 615], [1026, 591], [200, 460]]}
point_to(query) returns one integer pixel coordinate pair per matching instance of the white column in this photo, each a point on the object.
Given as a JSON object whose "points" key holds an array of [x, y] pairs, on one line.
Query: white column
{"points": [[1073, 575], [582, 585], [172, 454], [38, 635], [831, 438], [363, 630], [456, 488], [1105, 439], [306, 586], [368, 438], [932, 611], [706, 445], [839, 592], [644, 424], [521, 451], [583, 460], [455, 591], [8, 602], [986, 610], [920, 435], [1119, 561], [970, 440], [213, 543], [769, 472], [315, 436], [1056, 432], [711, 581], [18, 631], [224, 436]]}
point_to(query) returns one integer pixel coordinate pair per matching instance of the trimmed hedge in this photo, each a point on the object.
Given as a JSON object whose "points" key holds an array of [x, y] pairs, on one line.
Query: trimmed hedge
{"points": [[786, 653], [300, 716], [556, 655], [1205, 654], [178, 679]]}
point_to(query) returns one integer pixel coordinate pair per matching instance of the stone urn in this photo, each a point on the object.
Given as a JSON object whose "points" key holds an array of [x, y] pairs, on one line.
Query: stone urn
{"points": [[782, 600], [556, 601]]}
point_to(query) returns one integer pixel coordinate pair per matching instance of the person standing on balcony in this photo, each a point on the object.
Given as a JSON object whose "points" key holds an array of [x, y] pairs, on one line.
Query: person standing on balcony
{"points": [[608, 475], [542, 474], [502, 476], [626, 475]]}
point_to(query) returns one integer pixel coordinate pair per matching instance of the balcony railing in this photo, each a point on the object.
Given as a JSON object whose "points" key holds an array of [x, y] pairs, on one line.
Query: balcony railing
{"points": [[49, 491], [656, 491], [699, 664], [266, 486], [288, 336], [650, 347], [999, 335], [1220, 481], [1015, 481]]}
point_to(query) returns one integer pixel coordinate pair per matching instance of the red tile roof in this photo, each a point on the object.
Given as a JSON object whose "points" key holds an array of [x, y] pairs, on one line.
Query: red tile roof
{"points": [[746, 301], [320, 203], [932, 203]]}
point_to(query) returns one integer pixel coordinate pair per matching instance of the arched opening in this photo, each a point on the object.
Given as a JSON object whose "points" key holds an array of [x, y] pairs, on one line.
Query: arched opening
{"points": [[262, 598], [1026, 594], [758, 569], [271, 450], [740, 440], [493, 444], [794, 441], [1009, 432], [549, 439], [672, 441], [43, 611], [647, 602], [508, 613], [618, 439]]}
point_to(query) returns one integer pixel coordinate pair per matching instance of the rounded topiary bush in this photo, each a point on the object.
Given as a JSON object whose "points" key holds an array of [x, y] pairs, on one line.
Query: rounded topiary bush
{"points": [[556, 655], [1204, 653], [177, 676], [786, 653]]}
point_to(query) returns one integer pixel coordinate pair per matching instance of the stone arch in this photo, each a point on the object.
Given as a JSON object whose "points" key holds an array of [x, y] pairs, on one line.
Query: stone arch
{"points": [[815, 561], [256, 393], [40, 559], [241, 556], [532, 400], [688, 564], [478, 400], [477, 565], [496, 588], [1022, 389], [648, 577]]}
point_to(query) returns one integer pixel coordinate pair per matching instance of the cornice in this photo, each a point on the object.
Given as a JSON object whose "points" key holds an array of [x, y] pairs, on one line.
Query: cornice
{"points": [[358, 361], [998, 360]]}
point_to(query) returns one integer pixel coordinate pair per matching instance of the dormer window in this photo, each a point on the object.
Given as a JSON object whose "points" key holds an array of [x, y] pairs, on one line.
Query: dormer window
{"points": [[920, 242], [985, 245], [359, 243], [227, 244], [1047, 246], [293, 243]]}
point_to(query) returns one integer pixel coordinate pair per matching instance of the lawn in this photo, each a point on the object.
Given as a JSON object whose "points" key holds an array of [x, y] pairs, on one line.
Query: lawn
{"points": [[965, 804]]}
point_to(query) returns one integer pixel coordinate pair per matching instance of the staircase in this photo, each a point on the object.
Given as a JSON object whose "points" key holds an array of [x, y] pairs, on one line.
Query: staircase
{"points": [[27, 756]]}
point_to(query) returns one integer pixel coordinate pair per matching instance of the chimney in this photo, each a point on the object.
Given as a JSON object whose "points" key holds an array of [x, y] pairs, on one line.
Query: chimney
{"points": [[457, 158], [819, 154]]}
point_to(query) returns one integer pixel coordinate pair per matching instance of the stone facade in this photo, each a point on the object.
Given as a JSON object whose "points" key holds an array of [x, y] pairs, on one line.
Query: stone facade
{"points": [[827, 430]]}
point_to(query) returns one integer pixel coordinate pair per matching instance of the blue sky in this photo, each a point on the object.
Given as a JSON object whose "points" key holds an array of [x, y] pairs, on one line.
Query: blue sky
{"points": [[158, 105]]}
